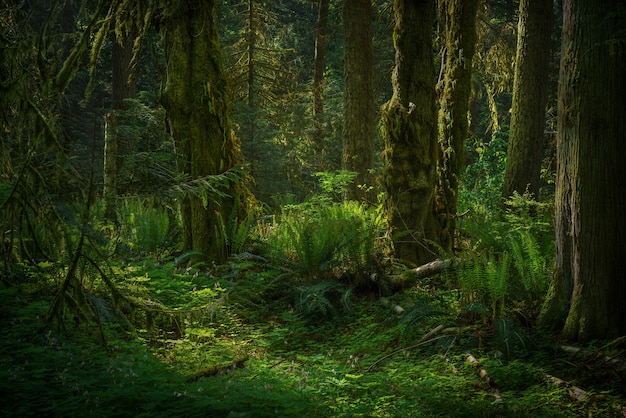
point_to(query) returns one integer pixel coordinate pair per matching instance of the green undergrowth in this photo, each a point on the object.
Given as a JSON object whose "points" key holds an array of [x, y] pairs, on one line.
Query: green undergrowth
{"points": [[368, 362]]}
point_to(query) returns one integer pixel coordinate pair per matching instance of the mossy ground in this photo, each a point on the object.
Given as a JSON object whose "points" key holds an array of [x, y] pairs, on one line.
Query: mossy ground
{"points": [[293, 366]]}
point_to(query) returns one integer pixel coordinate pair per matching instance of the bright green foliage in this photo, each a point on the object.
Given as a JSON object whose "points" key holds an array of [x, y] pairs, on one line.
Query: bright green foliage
{"points": [[331, 240], [294, 369], [148, 227], [335, 184]]}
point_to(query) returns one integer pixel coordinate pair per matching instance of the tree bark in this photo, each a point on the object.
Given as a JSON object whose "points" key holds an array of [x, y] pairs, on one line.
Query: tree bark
{"points": [[122, 88], [195, 101], [459, 20], [589, 284], [530, 96], [409, 130], [318, 76], [358, 153]]}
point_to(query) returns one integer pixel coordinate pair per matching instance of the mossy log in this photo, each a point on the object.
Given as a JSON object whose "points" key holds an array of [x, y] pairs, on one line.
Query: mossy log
{"points": [[219, 368]]}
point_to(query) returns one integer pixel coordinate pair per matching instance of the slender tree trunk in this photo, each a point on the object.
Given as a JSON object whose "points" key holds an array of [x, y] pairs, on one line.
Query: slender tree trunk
{"points": [[358, 153], [318, 76], [530, 96], [252, 32], [109, 174], [115, 149], [589, 284], [195, 102], [459, 18], [409, 129]]}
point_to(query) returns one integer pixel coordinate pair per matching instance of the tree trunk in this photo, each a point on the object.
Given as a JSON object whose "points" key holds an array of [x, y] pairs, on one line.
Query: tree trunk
{"points": [[195, 102], [591, 182], [358, 153], [109, 174], [115, 149], [252, 36], [459, 19], [318, 76], [409, 130], [530, 96]]}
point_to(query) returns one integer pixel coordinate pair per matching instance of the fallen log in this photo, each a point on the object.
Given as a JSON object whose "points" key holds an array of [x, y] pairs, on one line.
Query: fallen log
{"points": [[219, 368], [407, 279]]}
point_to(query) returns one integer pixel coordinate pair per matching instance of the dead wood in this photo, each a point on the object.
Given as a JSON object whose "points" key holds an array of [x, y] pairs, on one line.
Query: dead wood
{"points": [[574, 391], [219, 368], [438, 266], [482, 373]]}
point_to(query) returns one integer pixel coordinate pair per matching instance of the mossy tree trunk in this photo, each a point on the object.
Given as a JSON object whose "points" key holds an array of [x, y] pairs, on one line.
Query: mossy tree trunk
{"points": [[358, 152], [458, 18], [197, 115], [409, 130], [588, 287], [530, 96]]}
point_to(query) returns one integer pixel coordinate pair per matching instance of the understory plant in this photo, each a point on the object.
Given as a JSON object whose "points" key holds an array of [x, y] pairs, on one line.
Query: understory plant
{"points": [[323, 251]]}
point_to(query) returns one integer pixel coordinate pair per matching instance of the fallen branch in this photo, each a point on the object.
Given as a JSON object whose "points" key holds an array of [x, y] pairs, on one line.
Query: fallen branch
{"points": [[371, 366], [407, 279], [482, 373], [574, 391], [435, 267]]}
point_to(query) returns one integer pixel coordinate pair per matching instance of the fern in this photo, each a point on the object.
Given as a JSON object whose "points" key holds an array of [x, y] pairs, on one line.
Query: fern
{"points": [[426, 307], [322, 299], [530, 264]]}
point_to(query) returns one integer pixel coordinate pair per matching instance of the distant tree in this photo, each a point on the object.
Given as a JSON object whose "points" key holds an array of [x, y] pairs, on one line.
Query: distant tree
{"points": [[122, 87], [358, 153], [409, 131], [530, 96], [458, 21], [587, 291], [194, 97], [261, 80], [318, 76]]}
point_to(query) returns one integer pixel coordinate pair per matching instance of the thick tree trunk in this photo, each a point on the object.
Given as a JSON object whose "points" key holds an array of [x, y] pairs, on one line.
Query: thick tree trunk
{"points": [[591, 183], [195, 102], [358, 153], [459, 20], [409, 125], [530, 95]]}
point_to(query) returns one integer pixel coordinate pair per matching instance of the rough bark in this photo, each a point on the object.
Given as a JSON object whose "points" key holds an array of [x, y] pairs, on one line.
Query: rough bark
{"points": [[459, 20], [589, 283], [409, 130], [318, 76], [122, 88], [358, 153], [530, 96], [196, 106]]}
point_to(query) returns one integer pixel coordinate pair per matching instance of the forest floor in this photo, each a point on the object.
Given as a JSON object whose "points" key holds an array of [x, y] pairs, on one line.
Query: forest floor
{"points": [[235, 361]]}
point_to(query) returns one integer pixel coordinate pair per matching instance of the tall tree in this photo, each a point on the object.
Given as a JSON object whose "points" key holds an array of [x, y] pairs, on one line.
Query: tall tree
{"points": [[318, 76], [409, 130], [530, 96], [195, 101], [588, 288], [358, 153], [122, 87], [458, 18]]}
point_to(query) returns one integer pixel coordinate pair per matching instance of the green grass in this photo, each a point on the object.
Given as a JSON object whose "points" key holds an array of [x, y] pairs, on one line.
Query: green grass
{"points": [[365, 363]]}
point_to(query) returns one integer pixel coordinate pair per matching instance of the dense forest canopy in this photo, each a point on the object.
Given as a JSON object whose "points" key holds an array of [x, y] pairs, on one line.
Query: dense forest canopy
{"points": [[265, 181]]}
